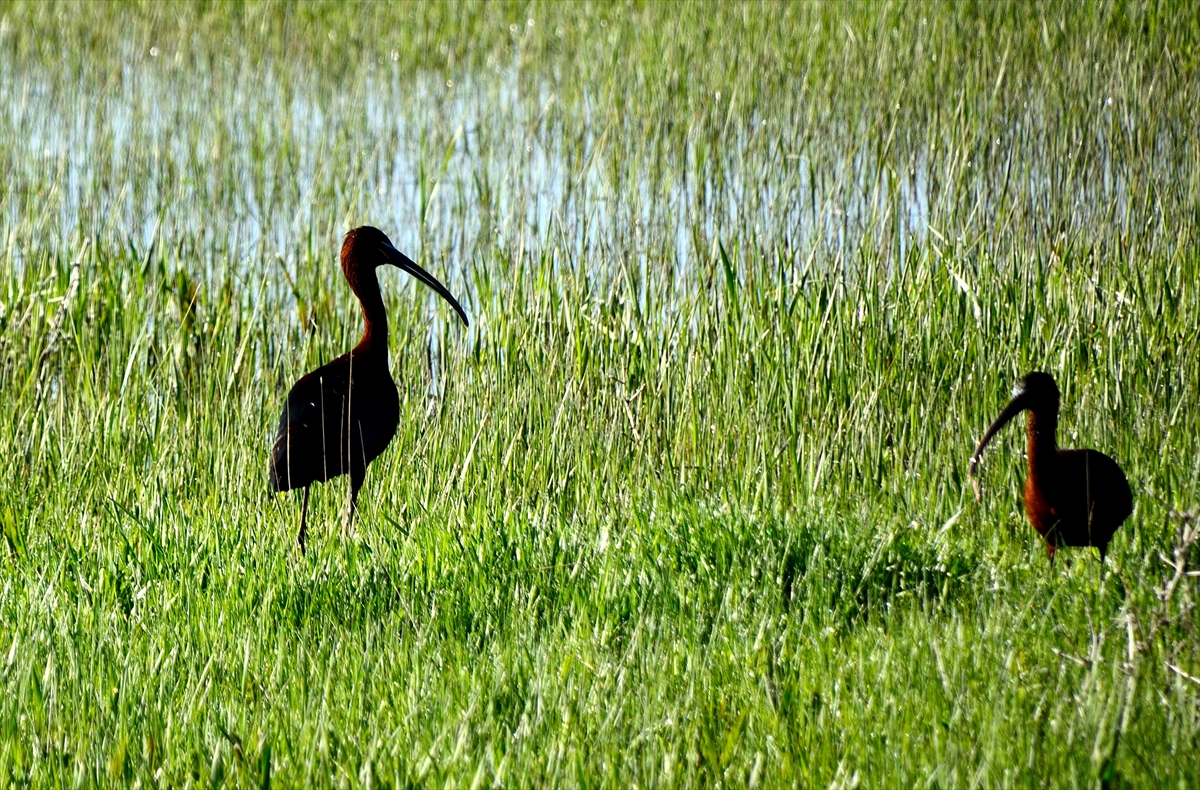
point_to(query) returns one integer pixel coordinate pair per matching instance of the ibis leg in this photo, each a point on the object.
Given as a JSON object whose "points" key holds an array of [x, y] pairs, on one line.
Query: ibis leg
{"points": [[356, 481], [302, 536]]}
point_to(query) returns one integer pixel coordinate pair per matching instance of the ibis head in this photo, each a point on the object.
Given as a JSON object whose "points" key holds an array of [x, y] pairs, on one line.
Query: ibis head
{"points": [[1036, 392], [367, 248]]}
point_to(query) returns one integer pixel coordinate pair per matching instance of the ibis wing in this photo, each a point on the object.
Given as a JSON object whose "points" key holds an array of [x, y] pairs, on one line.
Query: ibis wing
{"points": [[307, 441], [1091, 499]]}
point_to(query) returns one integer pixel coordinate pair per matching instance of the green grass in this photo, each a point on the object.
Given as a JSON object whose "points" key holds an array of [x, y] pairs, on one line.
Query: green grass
{"points": [[687, 504]]}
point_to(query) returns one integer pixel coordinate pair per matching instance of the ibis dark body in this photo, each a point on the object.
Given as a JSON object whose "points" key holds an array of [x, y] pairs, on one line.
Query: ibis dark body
{"points": [[1072, 497], [343, 415]]}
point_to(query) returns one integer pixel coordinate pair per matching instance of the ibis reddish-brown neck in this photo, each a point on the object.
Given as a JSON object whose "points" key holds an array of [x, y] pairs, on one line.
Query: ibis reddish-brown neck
{"points": [[1042, 448], [363, 281]]}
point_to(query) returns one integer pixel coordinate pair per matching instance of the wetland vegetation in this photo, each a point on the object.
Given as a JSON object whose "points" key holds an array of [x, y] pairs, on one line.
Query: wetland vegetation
{"points": [[688, 502]]}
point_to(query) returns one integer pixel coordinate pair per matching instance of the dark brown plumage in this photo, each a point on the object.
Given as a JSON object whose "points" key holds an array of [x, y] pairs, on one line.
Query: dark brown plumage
{"points": [[1072, 497], [342, 416]]}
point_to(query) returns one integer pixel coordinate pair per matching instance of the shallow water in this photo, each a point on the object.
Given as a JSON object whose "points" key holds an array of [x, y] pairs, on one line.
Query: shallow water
{"points": [[235, 166]]}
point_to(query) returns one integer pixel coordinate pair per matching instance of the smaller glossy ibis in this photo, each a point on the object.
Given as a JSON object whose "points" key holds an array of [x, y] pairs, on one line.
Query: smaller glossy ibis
{"points": [[1072, 497], [341, 416]]}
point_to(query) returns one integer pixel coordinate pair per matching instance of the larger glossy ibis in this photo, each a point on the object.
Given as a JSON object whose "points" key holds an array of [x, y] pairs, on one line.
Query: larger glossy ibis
{"points": [[341, 416], [1072, 497]]}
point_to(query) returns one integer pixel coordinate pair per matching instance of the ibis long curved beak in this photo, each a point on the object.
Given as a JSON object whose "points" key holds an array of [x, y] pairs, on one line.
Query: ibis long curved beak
{"points": [[405, 263], [1018, 404]]}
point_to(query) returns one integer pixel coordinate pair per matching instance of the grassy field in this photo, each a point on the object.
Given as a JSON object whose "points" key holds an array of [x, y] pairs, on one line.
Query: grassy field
{"points": [[687, 504]]}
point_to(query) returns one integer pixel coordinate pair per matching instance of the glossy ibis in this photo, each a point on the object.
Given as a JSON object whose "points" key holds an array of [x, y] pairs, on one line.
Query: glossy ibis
{"points": [[341, 416], [1072, 497]]}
